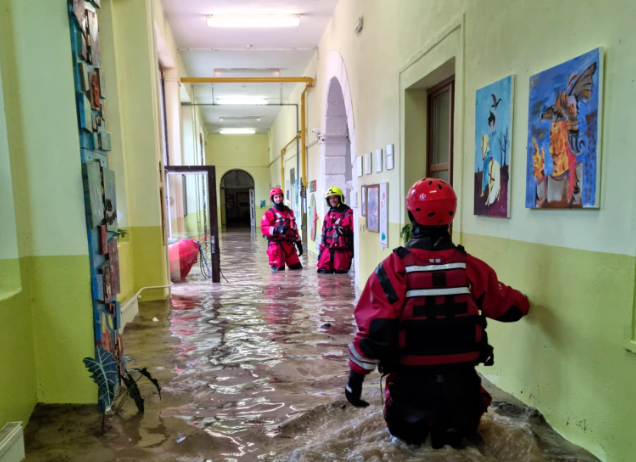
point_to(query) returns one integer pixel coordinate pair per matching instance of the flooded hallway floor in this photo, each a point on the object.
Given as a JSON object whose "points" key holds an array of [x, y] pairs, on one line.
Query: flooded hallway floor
{"points": [[254, 369]]}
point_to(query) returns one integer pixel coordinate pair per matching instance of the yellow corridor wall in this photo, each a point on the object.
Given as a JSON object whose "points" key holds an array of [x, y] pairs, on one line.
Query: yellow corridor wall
{"points": [[569, 358], [242, 152]]}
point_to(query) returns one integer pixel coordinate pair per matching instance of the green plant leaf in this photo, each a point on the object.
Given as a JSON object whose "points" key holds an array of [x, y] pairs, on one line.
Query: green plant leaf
{"points": [[133, 391], [406, 233], [154, 381], [104, 370]]}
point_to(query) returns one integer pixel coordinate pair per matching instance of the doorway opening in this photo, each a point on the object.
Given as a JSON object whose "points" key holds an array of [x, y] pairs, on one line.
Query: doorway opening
{"points": [[238, 208]]}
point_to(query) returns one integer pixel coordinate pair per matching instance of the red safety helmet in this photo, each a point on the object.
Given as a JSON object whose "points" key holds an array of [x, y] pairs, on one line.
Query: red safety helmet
{"points": [[432, 202], [275, 191]]}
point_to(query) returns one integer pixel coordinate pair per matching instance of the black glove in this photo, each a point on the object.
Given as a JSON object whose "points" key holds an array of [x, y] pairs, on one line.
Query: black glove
{"points": [[282, 229], [353, 390], [299, 246]]}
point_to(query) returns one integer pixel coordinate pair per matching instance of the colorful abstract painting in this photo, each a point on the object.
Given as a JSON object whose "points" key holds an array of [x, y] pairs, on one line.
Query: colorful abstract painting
{"points": [[564, 120], [493, 132]]}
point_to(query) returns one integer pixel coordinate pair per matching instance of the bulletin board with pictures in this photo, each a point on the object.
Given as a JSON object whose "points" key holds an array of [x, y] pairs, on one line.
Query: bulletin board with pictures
{"points": [[98, 180]]}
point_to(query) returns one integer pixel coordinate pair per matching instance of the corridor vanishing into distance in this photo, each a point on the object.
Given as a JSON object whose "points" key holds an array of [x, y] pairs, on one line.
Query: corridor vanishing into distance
{"points": [[253, 369]]}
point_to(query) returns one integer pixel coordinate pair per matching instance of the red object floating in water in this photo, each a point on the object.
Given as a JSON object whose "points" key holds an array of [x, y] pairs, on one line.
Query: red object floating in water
{"points": [[183, 255]]}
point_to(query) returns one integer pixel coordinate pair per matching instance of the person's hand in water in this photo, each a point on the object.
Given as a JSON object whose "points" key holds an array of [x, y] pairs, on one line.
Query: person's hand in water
{"points": [[353, 390]]}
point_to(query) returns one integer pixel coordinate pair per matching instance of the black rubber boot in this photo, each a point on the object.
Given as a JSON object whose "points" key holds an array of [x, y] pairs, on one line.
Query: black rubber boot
{"points": [[341, 271], [276, 268], [296, 266], [323, 271]]}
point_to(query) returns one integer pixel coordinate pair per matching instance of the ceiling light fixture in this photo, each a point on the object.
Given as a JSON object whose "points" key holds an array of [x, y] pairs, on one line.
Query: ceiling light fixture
{"points": [[253, 20], [242, 101], [237, 131], [239, 118], [247, 72]]}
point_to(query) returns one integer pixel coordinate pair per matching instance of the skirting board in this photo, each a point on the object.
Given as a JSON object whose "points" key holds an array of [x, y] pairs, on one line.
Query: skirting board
{"points": [[12, 443], [129, 309]]}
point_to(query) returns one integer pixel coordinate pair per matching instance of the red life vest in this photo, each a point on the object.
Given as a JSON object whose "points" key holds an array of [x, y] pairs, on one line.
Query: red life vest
{"points": [[284, 218], [334, 220], [440, 322]]}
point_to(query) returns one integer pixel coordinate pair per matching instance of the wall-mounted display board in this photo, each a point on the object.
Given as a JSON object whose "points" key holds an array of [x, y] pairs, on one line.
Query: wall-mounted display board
{"points": [[98, 179], [384, 215], [373, 208]]}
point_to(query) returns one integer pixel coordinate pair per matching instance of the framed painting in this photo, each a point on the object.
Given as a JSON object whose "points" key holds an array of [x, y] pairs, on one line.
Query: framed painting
{"points": [[359, 166], [367, 163], [493, 132], [94, 90], [388, 157], [373, 208], [384, 215], [378, 160], [108, 288], [363, 200], [564, 119]]}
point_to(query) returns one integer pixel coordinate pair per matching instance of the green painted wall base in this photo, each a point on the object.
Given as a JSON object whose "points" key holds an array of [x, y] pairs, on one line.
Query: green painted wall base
{"points": [[568, 357]]}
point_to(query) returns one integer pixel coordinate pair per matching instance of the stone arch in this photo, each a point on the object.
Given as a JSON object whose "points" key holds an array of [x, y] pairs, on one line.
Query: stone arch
{"points": [[338, 145]]}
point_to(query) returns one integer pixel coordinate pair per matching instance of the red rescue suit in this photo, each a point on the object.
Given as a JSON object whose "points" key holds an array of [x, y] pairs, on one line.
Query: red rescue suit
{"points": [[336, 248], [281, 249], [421, 317]]}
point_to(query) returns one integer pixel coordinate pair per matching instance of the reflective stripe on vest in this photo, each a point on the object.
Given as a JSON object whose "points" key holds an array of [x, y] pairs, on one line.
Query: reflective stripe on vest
{"points": [[448, 266]]}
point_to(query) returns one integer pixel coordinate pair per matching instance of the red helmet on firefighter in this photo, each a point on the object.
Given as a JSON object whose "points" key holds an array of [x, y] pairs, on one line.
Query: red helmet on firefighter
{"points": [[275, 191], [432, 202]]}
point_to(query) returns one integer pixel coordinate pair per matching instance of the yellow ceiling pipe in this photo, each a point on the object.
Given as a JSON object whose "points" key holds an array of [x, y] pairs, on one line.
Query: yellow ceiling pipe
{"points": [[282, 161], [303, 132]]}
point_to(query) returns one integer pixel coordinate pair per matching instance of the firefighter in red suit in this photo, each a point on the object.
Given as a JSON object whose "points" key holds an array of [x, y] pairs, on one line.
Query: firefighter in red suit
{"points": [[336, 248], [279, 227], [422, 318]]}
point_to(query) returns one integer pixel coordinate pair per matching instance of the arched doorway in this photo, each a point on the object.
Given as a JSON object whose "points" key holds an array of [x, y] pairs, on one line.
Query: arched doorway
{"points": [[237, 199], [338, 152]]}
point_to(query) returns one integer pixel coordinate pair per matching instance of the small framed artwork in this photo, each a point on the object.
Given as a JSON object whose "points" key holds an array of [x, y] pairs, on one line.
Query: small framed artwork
{"points": [[378, 160], [388, 157], [80, 12], [359, 165], [373, 208], [108, 289], [363, 200], [113, 260], [94, 92], [367, 163], [384, 215], [83, 75]]}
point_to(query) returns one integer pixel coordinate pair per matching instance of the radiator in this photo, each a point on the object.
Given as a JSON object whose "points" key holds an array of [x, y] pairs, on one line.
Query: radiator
{"points": [[12, 443]]}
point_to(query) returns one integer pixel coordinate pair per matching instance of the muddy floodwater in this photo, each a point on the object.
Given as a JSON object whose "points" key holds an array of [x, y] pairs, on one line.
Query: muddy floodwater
{"points": [[253, 369]]}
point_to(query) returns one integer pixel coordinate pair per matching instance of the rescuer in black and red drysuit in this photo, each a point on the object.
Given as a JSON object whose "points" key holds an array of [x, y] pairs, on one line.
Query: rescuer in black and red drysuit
{"points": [[421, 319], [336, 248], [278, 225]]}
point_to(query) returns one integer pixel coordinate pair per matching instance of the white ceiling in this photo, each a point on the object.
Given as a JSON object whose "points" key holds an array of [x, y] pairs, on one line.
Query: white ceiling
{"points": [[287, 49]]}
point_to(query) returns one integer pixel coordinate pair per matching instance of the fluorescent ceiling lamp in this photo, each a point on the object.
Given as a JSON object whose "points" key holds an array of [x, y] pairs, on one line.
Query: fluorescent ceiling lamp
{"points": [[243, 101], [237, 131], [253, 20], [247, 72]]}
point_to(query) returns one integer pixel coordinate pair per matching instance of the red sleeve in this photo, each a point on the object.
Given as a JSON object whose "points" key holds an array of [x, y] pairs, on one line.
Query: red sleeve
{"points": [[495, 299], [377, 314], [347, 223], [324, 225], [267, 223]]}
